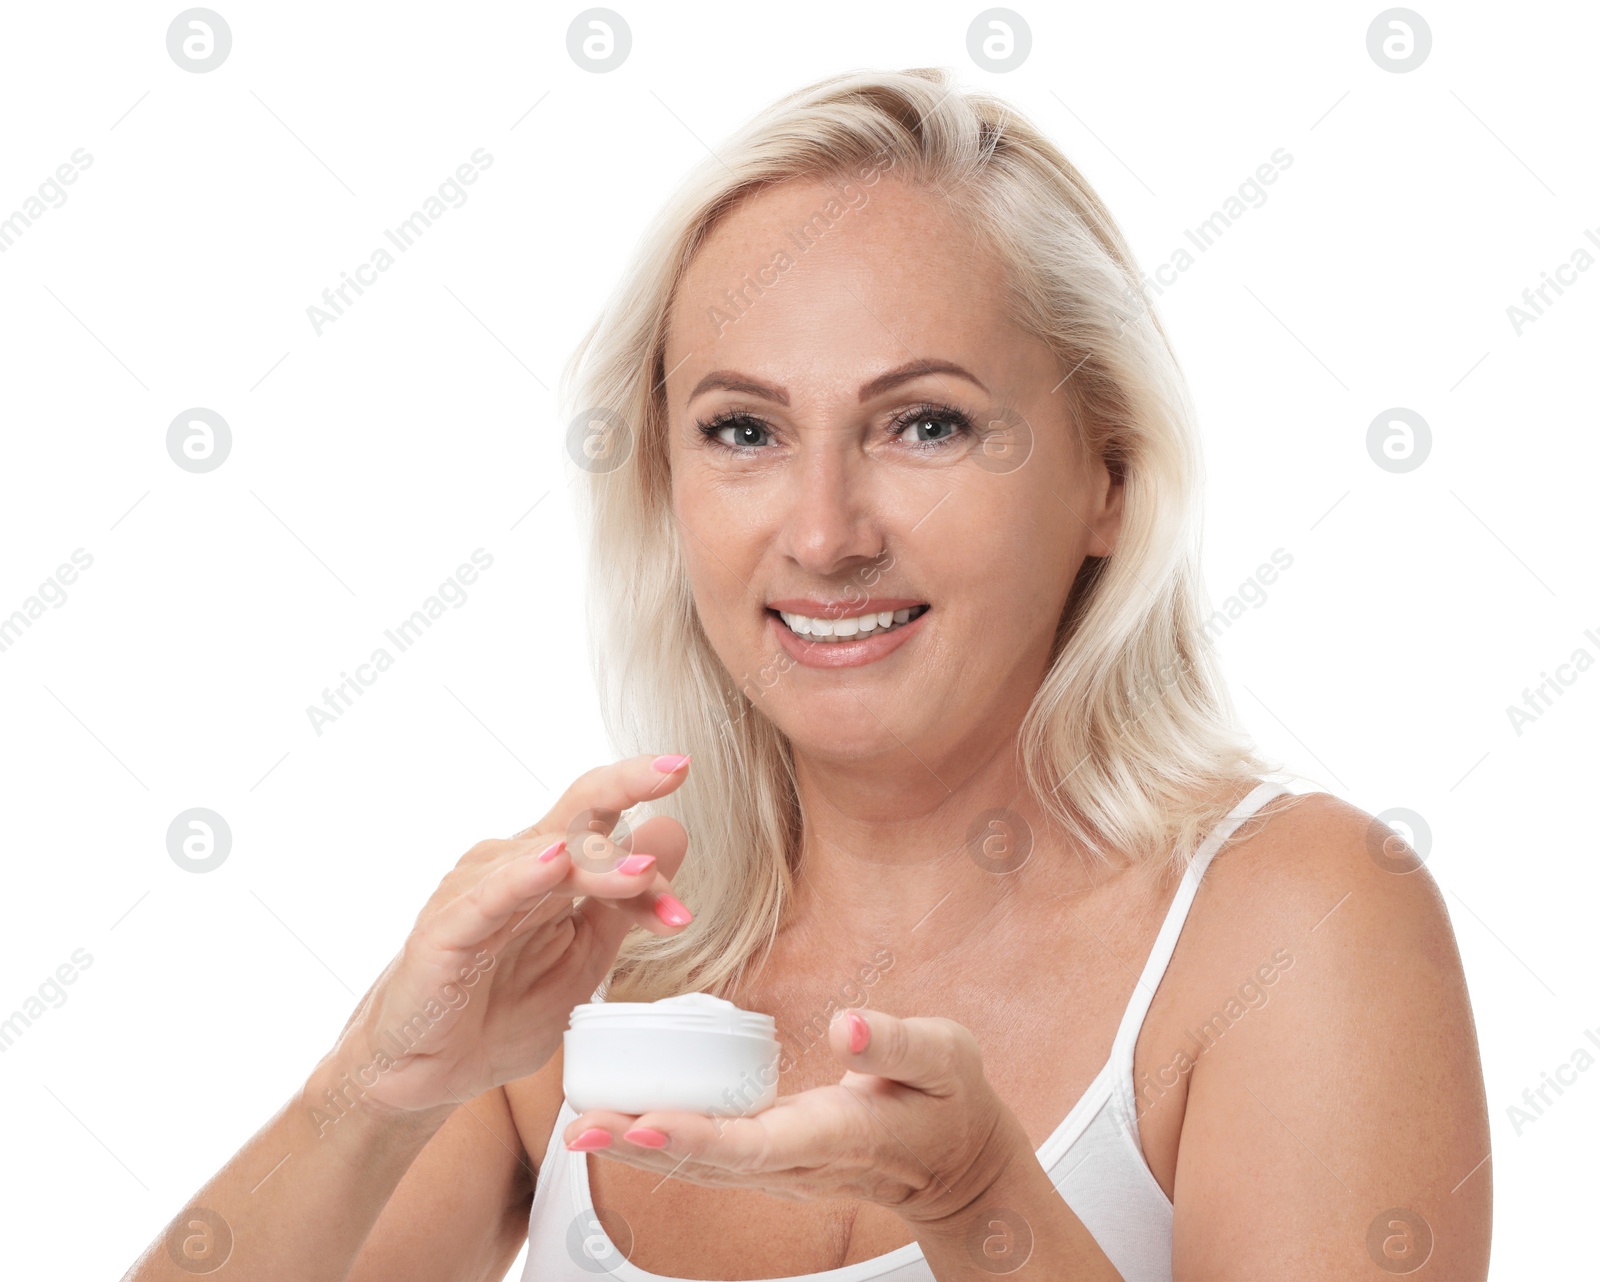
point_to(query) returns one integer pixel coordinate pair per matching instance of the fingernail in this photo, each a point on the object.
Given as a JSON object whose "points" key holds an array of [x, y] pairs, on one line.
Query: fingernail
{"points": [[672, 912], [552, 851], [859, 1032], [635, 864], [666, 765], [645, 1136], [594, 1137]]}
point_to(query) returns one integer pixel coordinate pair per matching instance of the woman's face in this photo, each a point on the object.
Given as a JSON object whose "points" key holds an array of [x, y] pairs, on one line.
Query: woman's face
{"points": [[833, 485]]}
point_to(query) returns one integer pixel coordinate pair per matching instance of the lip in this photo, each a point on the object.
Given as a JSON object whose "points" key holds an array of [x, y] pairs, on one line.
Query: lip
{"points": [[843, 654], [815, 609]]}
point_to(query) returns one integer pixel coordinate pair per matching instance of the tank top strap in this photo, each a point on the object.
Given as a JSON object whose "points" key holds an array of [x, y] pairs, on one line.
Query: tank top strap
{"points": [[1172, 926]]}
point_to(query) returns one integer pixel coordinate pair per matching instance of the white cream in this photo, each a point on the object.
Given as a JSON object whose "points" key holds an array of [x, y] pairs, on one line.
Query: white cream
{"points": [[693, 1001]]}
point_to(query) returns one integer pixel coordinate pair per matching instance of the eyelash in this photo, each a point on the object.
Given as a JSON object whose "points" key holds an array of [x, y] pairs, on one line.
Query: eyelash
{"points": [[909, 418]]}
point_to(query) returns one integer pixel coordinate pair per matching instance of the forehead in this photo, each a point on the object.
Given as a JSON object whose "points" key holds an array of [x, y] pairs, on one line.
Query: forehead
{"points": [[829, 281]]}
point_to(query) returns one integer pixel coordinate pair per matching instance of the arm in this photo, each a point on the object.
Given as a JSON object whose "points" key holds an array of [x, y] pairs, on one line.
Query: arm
{"points": [[474, 1001], [392, 1203], [1020, 1227], [461, 1212], [291, 1203], [1339, 1130]]}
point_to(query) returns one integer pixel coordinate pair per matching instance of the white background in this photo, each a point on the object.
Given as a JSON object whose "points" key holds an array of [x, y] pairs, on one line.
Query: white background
{"points": [[368, 462]]}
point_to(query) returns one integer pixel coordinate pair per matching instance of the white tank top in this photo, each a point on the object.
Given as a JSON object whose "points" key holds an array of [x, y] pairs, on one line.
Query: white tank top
{"points": [[1094, 1157]]}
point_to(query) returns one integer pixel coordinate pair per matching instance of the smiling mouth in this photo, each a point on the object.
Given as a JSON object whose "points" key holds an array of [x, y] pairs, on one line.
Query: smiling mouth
{"points": [[833, 631]]}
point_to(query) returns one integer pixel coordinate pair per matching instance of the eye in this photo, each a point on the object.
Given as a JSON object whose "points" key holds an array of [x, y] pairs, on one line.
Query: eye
{"points": [[751, 434], [951, 422], [740, 422]]}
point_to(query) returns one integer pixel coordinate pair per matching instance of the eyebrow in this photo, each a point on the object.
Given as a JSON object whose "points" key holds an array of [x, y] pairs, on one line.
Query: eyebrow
{"points": [[733, 381]]}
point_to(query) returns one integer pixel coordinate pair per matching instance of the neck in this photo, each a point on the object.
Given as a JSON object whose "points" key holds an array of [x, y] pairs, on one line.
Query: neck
{"points": [[922, 856]]}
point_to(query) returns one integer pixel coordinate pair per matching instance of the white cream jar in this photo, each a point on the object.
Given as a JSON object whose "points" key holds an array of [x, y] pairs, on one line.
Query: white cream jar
{"points": [[695, 1052]]}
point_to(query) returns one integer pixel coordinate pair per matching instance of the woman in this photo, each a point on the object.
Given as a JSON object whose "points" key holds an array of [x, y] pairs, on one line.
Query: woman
{"points": [[894, 493]]}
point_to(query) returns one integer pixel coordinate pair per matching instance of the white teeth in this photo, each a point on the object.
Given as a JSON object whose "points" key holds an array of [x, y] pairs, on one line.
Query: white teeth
{"points": [[848, 629]]}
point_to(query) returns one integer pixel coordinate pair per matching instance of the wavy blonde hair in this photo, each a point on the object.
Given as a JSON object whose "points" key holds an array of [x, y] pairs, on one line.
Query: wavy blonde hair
{"points": [[1130, 744]]}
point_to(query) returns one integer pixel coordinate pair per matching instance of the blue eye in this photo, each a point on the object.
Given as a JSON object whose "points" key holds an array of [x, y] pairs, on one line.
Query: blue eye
{"points": [[957, 423], [740, 421], [954, 423]]}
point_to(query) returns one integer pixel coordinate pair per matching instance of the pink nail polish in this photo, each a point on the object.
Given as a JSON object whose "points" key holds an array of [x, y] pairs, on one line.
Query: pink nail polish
{"points": [[859, 1032], [593, 1138], [645, 1137], [550, 852], [635, 864], [667, 764], [671, 911]]}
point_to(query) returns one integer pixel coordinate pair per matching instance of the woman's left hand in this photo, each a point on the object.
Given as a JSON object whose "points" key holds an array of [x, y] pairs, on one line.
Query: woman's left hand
{"points": [[913, 1125]]}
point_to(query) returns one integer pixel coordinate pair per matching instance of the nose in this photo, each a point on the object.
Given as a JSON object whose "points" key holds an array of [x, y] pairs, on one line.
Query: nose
{"points": [[828, 519]]}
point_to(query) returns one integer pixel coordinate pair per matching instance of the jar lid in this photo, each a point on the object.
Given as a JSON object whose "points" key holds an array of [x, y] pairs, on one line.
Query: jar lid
{"points": [[697, 1012]]}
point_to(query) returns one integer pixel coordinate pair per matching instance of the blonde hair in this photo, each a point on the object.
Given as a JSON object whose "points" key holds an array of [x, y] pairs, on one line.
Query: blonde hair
{"points": [[1130, 744]]}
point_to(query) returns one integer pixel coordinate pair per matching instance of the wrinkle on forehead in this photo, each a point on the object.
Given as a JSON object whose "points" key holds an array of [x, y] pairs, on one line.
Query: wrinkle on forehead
{"points": [[896, 279]]}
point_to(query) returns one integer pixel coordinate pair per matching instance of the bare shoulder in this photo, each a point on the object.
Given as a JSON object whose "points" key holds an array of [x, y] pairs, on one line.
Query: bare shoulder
{"points": [[535, 1102], [1304, 861], [1353, 922], [1337, 1063]]}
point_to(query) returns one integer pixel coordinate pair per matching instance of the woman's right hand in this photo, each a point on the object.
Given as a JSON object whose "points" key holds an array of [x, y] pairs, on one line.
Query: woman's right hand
{"points": [[482, 989]]}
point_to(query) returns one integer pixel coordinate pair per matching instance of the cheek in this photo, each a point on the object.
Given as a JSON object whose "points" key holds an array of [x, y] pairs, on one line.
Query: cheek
{"points": [[1019, 565], [717, 540], [719, 599], [1024, 540], [726, 514], [729, 612]]}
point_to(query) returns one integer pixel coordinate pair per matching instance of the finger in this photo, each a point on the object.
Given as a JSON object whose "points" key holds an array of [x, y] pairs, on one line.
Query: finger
{"points": [[596, 844], [518, 887], [619, 1137], [612, 919], [932, 1054], [632, 1136], [777, 1140], [609, 790], [663, 837]]}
